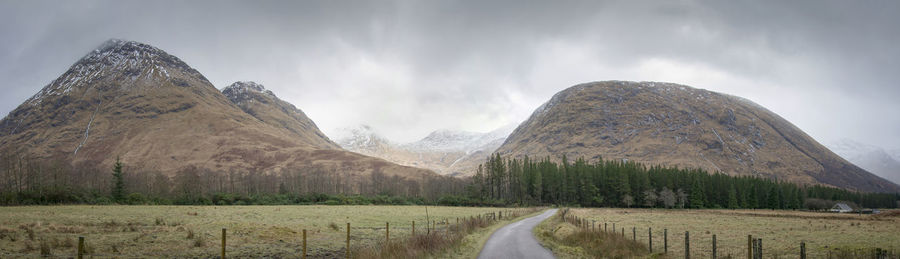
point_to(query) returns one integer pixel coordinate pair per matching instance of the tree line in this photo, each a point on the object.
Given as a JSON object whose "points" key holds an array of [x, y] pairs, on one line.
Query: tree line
{"points": [[497, 182], [27, 181], [617, 183]]}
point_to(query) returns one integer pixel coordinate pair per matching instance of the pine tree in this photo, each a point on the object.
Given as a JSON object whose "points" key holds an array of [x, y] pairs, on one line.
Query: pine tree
{"points": [[696, 194], [773, 198], [732, 197], [118, 191], [624, 188]]}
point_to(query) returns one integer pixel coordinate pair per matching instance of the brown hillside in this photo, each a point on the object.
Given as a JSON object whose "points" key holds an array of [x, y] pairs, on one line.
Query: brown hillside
{"points": [[262, 104], [676, 125], [135, 101]]}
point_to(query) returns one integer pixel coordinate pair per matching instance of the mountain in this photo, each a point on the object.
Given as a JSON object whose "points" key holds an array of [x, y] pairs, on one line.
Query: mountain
{"points": [[137, 102], [450, 140], [447, 152], [364, 140], [676, 125], [874, 159], [262, 104]]}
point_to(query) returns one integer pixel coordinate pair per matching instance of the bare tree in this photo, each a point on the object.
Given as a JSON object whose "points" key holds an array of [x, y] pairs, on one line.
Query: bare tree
{"points": [[682, 198], [667, 197], [650, 198], [627, 200]]}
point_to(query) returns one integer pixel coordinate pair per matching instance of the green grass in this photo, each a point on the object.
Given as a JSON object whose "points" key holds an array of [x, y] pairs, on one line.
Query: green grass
{"points": [[167, 231]]}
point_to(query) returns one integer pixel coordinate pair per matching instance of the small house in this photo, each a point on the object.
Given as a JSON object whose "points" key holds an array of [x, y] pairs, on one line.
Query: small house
{"points": [[841, 207]]}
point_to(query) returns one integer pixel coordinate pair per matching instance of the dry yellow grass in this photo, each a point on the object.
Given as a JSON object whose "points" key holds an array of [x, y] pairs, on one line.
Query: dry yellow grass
{"points": [[567, 240], [781, 231], [166, 231]]}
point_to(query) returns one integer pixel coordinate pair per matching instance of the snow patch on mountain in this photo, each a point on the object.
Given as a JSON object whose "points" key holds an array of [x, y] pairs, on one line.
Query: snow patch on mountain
{"points": [[447, 152], [126, 61], [874, 159], [359, 138], [451, 140], [243, 91]]}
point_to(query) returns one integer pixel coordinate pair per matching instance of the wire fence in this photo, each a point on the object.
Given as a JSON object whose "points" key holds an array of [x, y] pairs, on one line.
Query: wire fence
{"points": [[660, 241], [439, 226]]}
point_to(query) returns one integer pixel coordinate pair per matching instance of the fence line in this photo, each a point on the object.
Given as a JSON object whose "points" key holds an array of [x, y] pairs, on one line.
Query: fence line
{"points": [[433, 225], [754, 245]]}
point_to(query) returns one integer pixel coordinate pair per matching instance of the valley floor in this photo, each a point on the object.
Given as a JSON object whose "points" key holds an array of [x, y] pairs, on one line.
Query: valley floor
{"points": [[195, 231]]}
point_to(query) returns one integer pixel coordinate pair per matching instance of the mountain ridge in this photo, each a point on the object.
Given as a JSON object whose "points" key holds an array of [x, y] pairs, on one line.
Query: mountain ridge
{"points": [[677, 125], [263, 104], [447, 152], [131, 100]]}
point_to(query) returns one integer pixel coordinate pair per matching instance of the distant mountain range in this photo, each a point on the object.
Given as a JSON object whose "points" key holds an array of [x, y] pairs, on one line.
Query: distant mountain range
{"points": [[446, 152], [875, 159]]}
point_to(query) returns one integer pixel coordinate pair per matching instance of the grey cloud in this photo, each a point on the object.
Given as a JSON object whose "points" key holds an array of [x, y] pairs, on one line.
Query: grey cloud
{"points": [[409, 67]]}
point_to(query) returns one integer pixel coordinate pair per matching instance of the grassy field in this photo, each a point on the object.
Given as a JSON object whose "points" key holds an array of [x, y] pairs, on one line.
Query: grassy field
{"points": [[196, 230], [781, 231], [567, 240]]}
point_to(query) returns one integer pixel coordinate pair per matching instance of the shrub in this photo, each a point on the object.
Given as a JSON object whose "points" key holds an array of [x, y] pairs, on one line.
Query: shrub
{"points": [[136, 199]]}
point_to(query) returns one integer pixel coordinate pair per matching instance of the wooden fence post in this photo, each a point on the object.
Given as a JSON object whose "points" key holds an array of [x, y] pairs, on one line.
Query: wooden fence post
{"points": [[387, 232], [687, 245], [623, 232], [614, 227], [665, 240], [754, 249], [414, 228], [634, 233], [749, 246], [304, 244], [80, 247], [802, 250], [223, 243], [650, 238], [348, 240], [714, 246], [760, 246]]}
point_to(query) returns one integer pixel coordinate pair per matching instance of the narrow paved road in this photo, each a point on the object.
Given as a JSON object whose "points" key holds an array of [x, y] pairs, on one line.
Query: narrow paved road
{"points": [[516, 240]]}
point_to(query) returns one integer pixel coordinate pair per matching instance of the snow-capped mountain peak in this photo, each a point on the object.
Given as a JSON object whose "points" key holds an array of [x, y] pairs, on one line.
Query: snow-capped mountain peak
{"points": [[244, 91], [448, 152], [456, 140], [123, 62], [360, 138]]}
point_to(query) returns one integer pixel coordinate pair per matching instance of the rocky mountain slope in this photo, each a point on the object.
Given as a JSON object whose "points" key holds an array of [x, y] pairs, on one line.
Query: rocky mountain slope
{"points": [[455, 153], [135, 101], [262, 104], [676, 125], [871, 158]]}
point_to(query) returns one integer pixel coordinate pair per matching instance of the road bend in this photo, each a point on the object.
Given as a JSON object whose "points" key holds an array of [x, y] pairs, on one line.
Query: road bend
{"points": [[516, 240]]}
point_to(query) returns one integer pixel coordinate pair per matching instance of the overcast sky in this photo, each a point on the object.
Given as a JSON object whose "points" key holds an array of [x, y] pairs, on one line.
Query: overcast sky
{"points": [[409, 67]]}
